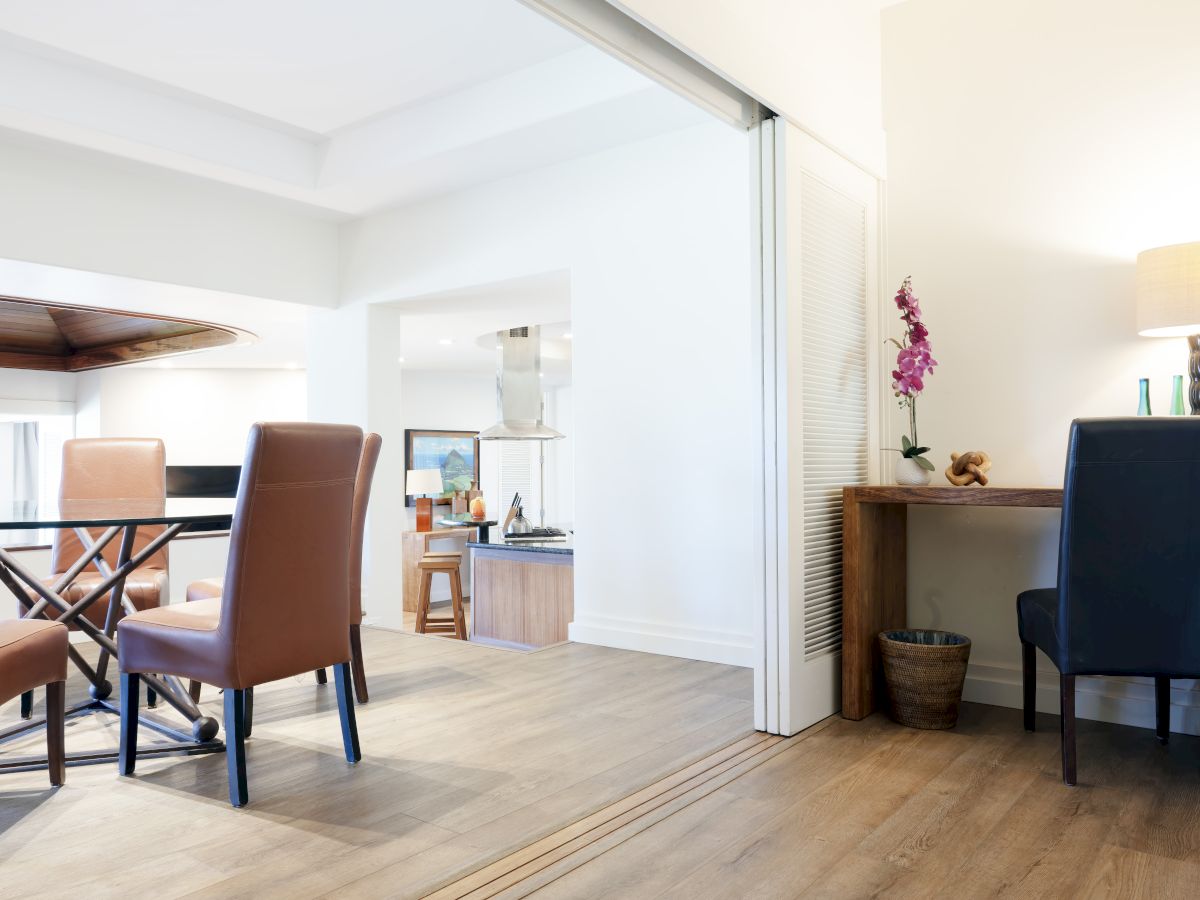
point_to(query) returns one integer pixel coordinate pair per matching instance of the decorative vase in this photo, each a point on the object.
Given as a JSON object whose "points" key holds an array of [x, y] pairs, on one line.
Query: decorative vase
{"points": [[908, 472], [1177, 396], [1144, 397]]}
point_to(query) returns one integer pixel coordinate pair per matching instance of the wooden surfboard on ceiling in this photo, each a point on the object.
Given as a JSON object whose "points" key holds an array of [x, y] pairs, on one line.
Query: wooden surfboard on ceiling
{"points": [[58, 337]]}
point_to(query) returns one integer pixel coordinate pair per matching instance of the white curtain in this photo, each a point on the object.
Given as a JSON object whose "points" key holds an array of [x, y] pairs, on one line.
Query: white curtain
{"points": [[18, 473], [25, 461]]}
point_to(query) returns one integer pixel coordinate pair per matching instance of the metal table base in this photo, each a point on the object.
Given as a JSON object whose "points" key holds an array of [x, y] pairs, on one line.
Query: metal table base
{"points": [[181, 742], [17, 578]]}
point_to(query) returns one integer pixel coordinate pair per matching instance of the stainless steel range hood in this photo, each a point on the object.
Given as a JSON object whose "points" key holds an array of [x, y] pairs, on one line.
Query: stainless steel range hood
{"points": [[519, 389]]}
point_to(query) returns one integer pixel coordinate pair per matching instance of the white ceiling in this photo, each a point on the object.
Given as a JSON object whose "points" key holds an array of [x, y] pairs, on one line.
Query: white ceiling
{"points": [[456, 330], [345, 106], [351, 106], [318, 65]]}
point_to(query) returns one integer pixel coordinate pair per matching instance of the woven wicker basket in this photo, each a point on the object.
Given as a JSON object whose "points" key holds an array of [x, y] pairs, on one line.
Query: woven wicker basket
{"points": [[925, 671]]}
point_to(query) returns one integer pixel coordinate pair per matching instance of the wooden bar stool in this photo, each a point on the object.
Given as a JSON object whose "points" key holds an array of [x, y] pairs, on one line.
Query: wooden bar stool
{"points": [[457, 623]]}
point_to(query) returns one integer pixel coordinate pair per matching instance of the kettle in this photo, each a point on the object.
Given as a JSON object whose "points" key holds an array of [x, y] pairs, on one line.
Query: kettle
{"points": [[519, 524]]}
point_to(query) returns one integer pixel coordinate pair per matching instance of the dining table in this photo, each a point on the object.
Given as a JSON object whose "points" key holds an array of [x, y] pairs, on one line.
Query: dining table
{"points": [[98, 522]]}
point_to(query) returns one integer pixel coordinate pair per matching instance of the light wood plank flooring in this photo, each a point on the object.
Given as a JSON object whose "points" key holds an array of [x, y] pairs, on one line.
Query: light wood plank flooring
{"points": [[470, 754], [866, 809]]}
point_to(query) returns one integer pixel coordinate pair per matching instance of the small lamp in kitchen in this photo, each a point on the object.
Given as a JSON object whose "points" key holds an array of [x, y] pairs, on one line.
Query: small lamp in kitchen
{"points": [[422, 483], [1168, 302]]}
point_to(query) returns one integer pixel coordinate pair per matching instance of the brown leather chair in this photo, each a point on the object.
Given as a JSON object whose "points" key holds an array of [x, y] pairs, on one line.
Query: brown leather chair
{"points": [[106, 468], [33, 652], [286, 599], [212, 587]]}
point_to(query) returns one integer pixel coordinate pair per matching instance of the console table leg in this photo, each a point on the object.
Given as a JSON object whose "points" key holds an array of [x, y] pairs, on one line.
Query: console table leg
{"points": [[874, 585]]}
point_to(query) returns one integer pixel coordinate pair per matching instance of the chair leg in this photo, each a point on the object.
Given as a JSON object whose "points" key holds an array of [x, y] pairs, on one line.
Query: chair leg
{"points": [[151, 697], [248, 717], [235, 745], [322, 678], [56, 749], [1067, 725], [194, 690], [1162, 709], [356, 663], [27, 705], [341, 675], [130, 695], [1029, 683]]}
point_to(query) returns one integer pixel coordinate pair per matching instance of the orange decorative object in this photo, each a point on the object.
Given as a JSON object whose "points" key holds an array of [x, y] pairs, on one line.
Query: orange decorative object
{"points": [[424, 514], [478, 508]]}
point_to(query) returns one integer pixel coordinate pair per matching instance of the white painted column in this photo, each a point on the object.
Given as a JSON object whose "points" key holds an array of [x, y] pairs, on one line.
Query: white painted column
{"points": [[354, 377]]}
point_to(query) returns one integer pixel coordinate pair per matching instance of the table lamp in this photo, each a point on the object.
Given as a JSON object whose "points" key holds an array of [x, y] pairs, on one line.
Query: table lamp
{"points": [[1168, 302], [424, 481]]}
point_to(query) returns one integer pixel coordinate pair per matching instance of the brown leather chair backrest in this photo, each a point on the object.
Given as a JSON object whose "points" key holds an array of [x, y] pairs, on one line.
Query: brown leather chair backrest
{"points": [[111, 468], [286, 600], [362, 496]]}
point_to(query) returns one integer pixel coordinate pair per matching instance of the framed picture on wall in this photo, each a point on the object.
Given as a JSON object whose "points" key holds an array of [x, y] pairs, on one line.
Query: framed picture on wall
{"points": [[454, 453]]}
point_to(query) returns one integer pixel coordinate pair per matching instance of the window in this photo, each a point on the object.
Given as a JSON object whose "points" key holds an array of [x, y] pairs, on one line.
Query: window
{"points": [[31, 465]]}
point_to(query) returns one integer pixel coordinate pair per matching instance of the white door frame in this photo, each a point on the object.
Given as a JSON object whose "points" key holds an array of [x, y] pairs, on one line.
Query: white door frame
{"points": [[768, 538]]}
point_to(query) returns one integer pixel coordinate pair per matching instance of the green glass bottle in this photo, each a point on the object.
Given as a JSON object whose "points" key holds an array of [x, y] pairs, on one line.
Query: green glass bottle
{"points": [[1177, 396], [1144, 396]]}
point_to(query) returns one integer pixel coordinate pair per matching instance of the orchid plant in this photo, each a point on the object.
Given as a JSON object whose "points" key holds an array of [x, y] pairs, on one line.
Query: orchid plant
{"points": [[914, 363]]}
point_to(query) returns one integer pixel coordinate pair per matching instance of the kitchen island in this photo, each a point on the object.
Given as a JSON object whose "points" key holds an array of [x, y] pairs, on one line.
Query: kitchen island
{"points": [[522, 594]]}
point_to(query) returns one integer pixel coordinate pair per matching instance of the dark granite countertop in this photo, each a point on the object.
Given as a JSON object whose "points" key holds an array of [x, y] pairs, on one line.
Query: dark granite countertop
{"points": [[496, 542]]}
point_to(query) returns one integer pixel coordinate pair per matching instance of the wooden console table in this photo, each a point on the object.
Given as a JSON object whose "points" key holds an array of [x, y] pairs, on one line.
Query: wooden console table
{"points": [[875, 570]]}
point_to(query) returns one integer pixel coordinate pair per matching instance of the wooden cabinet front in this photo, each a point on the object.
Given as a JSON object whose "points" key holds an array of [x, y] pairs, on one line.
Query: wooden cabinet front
{"points": [[521, 599]]}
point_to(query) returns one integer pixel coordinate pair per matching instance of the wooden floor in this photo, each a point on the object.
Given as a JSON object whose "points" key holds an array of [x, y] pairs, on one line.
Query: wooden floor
{"points": [[470, 753], [582, 772], [865, 809]]}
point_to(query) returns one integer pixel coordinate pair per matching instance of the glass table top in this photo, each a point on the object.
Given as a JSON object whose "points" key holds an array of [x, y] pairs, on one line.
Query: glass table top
{"points": [[29, 515], [463, 520]]}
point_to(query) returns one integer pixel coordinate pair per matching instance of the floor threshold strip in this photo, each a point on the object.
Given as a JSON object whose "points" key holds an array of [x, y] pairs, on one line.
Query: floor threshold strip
{"points": [[526, 870]]}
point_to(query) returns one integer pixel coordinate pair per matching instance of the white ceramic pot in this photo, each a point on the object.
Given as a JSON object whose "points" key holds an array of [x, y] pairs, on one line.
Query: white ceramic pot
{"points": [[908, 472]]}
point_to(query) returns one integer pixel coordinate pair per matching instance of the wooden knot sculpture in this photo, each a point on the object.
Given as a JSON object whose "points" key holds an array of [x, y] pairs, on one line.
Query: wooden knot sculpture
{"points": [[968, 468]]}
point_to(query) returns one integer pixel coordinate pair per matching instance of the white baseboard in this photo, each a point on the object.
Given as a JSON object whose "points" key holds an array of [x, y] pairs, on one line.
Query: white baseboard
{"points": [[1121, 700], [667, 640]]}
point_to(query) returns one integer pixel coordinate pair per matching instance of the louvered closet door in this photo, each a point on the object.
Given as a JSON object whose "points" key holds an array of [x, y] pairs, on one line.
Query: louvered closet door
{"points": [[833, 356], [833, 330]]}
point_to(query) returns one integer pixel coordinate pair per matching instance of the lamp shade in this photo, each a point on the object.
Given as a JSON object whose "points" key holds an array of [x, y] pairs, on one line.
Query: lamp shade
{"points": [[423, 481], [1168, 291]]}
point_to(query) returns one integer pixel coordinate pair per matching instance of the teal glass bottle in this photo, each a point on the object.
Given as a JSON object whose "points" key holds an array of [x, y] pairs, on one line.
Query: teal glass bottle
{"points": [[1143, 396], [1177, 396]]}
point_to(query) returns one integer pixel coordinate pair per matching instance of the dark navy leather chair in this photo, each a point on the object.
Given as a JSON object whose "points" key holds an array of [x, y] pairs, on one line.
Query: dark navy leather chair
{"points": [[1128, 595]]}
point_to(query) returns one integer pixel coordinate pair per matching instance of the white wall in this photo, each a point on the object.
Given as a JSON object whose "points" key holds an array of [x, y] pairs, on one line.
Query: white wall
{"points": [[32, 392], [354, 376], [1033, 149], [448, 401], [560, 457], [814, 62], [202, 415], [656, 237], [73, 209]]}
